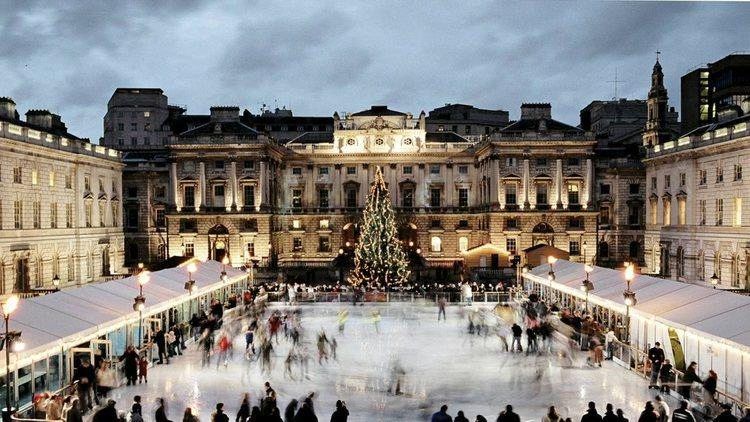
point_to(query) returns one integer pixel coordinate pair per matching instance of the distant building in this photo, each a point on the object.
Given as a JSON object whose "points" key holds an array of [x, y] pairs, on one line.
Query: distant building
{"points": [[466, 120], [60, 204], [706, 90]]}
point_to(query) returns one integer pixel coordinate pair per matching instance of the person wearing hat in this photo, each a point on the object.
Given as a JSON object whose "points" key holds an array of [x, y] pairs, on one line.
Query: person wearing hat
{"points": [[219, 415]]}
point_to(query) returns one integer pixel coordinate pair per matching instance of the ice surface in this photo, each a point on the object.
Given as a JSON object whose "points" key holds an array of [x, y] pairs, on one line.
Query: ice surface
{"points": [[443, 364]]}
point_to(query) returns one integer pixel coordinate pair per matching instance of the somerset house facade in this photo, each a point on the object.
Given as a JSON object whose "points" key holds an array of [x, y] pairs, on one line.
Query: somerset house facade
{"points": [[224, 185]]}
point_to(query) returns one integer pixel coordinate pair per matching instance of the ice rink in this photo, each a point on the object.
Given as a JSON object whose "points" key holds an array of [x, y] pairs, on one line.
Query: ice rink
{"points": [[441, 361]]}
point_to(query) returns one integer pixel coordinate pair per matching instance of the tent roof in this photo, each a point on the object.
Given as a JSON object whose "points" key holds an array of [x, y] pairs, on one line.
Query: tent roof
{"points": [[699, 309], [73, 314]]}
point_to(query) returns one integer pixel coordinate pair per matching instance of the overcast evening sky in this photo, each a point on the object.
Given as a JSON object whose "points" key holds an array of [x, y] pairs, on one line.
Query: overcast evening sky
{"points": [[320, 57]]}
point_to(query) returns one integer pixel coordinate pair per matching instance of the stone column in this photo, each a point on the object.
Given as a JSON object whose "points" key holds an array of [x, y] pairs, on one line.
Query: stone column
{"points": [[494, 175], [392, 183], [260, 195], [525, 183], [589, 191], [233, 184], [174, 196], [201, 197], [420, 201], [310, 188], [334, 196], [450, 185], [559, 182]]}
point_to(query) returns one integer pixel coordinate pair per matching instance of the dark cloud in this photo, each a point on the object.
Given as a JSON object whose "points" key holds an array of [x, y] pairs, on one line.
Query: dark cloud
{"points": [[318, 57]]}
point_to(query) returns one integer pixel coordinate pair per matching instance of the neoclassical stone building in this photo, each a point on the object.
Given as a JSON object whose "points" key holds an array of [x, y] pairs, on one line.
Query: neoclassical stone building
{"points": [[697, 194], [222, 185], [60, 204]]}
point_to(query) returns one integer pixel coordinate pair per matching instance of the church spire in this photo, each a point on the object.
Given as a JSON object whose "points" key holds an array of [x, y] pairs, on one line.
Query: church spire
{"points": [[656, 124]]}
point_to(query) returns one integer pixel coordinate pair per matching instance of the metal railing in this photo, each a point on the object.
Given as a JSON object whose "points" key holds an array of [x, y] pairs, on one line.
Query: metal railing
{"points": [[392, 297]]}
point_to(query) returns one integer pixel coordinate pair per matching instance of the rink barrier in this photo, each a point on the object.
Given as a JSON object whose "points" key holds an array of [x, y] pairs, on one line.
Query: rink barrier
{"points": [[393, 297]]}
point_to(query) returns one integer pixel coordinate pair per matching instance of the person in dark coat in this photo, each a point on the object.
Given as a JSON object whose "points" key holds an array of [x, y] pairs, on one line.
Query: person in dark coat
{"points": [[442, 415], [244, 413], [682, 414], [86, 377], [130, 364], [305, 414], [656, 356], [291, 409], [161, 412], [508, 415], [648, 414], [341, 414], [726, 415], [620, 416], [591, 414], [688, 378], [219, 415], [609, 415], [107, 413], [460, 417], [665, 376], [517, 332]]}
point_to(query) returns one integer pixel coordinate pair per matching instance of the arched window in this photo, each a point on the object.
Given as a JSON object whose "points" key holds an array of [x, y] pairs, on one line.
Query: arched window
{"points": [[463, 244], [543, 228], [603, 249], [436, 244]]}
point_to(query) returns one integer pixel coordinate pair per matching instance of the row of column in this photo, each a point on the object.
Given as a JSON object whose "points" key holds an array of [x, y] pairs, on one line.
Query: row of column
{"points": [[233, 197]]}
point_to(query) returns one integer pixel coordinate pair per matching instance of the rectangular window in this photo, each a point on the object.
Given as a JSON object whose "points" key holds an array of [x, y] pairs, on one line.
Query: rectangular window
{"points": [[510, 195], [296, 224], [463, 169], [189, 249], [250, 225], [189, 196], [435, 224], [702, 212], [463, 224], [88, 207], [34, 177], [635, 188], [249, 192], [69, 215], [297, 244], [719, 212], [407, 197], [683, 179], [251, 249], [634, 215], [52, 179], [219, 165], [351, 170], [467, 129], [511, 223], [667, 181], [324, 224], [510, 246], [511, 161], [573, 194], [719, 175], [297, 198], [297, 171], [159, 191], [434, 168], [541, 162], [133, 126], [102, 214], [53, 215], [115, 214], [133, 140], [37, 214], [324, 244], [408, 170], [121, 126], [188, 225], [435, 197], [575, 223], [541, 194], [323, 198], [146, 140], [604, 215], [351, 197], [737, 172], [161, 220], [604, 188], [18, 214], [68, 181], [737, 212], [322, 171], [248, 165], [653, 182], [219, 191], [574, 248], [463, 197]]}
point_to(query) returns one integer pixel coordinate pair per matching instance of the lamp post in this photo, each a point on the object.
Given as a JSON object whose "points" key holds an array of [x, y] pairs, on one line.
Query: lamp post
{"points": [[629, 298], [584, 252], [9, 340], [714, 280], [551, 274], [587, 286], [139, 302], [56, 282], [224, 263]]}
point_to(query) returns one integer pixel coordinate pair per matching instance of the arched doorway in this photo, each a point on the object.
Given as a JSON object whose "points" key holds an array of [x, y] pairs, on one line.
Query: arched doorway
{"points": [[105, 261], [218, 238], [543, 233]]}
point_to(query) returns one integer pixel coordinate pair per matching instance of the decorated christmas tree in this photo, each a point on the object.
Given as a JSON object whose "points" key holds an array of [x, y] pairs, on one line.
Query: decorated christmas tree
{"points": [[379, 256]]}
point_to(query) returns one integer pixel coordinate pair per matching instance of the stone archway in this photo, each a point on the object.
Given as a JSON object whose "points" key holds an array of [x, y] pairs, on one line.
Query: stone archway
{"points": [[218, 239]]}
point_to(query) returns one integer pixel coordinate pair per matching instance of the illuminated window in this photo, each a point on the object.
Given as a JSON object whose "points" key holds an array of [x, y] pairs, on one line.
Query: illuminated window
{"points": [[436, 244], [463, 244], [324, 224], [52, 179], [719, 212], [681, 205], [34, 177], [573, 194], [737, 212], [667, 213], [510, 246], [296, 224], [738, 172]]}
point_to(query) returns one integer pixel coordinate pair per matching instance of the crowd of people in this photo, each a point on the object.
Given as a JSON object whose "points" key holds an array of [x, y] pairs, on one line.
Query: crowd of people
{"points": [[653, 411]]}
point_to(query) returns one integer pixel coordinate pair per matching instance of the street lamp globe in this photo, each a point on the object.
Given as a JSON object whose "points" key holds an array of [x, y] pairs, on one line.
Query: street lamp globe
{"points": [[144, 278], [10, 305], [192, 268], [551, 260], [714, 280]]}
